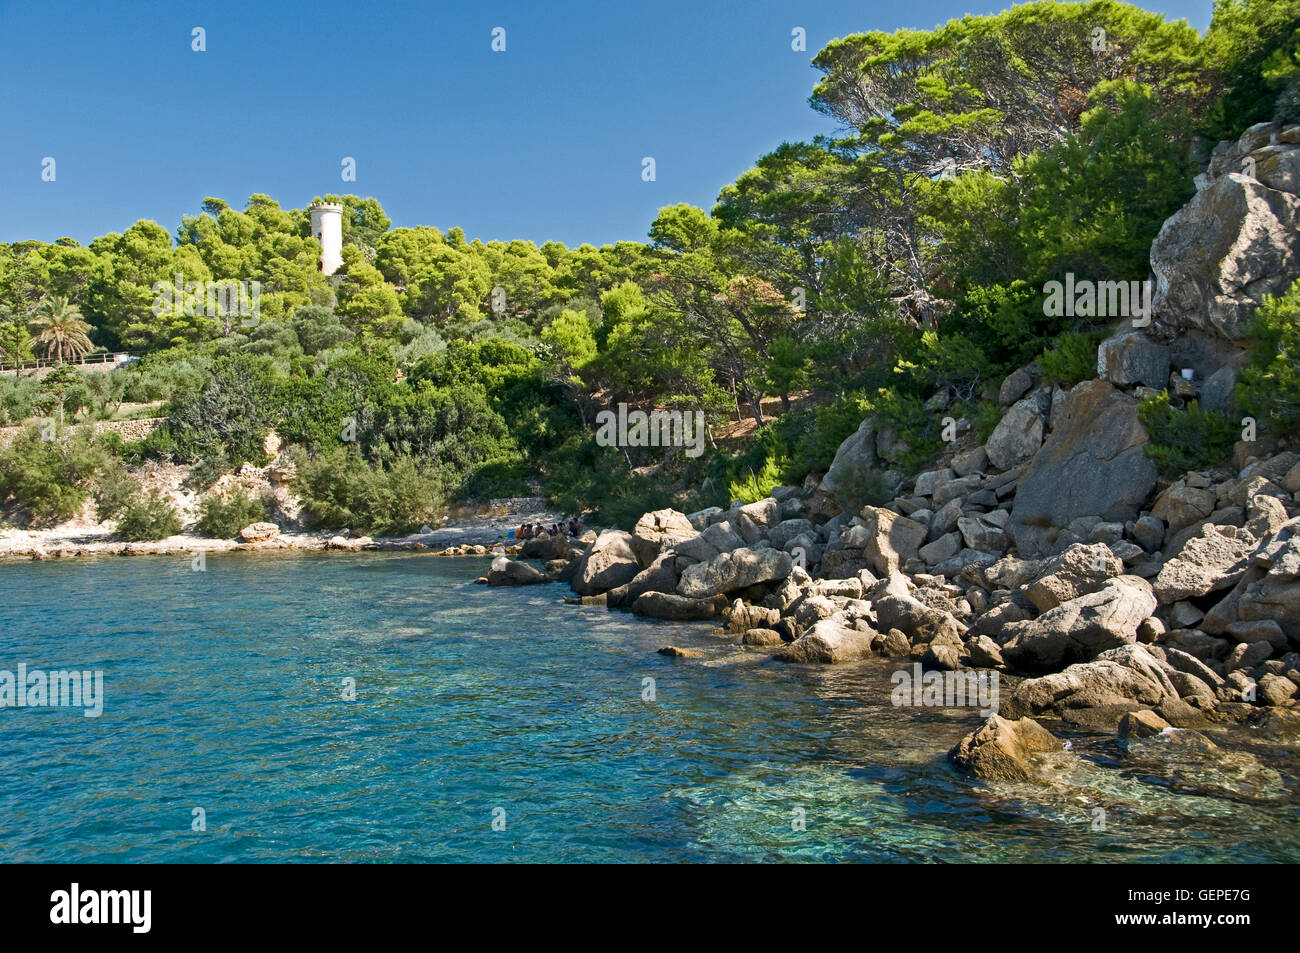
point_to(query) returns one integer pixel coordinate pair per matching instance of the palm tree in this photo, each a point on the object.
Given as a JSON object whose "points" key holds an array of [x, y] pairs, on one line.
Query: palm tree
{"points": [[58, 330]]}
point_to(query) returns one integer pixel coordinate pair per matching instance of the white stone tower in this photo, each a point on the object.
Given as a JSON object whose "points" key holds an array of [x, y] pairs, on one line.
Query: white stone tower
{"points": [[327, 228]]}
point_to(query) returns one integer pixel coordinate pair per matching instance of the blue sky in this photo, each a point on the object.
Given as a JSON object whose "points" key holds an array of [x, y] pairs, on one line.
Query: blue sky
{"points": [[543, 141]]}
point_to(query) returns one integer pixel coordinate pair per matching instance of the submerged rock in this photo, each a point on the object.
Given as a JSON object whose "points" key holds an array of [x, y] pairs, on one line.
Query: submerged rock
{"points": [[1141, 724], [667, 605], [676, 652], [1001, 750]]}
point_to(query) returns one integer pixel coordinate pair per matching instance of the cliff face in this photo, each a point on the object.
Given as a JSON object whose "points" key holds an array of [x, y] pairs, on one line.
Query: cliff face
{"points": [[1235, 241], [1215, 259]]}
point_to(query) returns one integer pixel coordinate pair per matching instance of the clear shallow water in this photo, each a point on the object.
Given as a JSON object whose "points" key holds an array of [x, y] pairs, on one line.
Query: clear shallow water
{"points": [[224, 691]]}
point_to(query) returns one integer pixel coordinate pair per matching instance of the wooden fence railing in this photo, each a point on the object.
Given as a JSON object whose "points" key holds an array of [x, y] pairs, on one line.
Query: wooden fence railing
{"points": [[92, 360]]}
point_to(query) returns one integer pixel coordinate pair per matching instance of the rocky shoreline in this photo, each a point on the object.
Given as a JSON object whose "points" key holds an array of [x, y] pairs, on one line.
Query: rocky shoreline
{"points": [[1113, 599], [478, 538], [1104, 635]]}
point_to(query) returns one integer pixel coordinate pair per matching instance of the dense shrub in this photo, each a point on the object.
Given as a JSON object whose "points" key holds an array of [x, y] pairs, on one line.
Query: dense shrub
{"points": [[1071, 358], [18, 399], [1183, 440], [50, 479], [827, 427], [757, 485], [340, 489], [231, 414], [222, 516], [860, 488], [916, 430], [621, 508], [1006, 322], [1269, 388], [984, 415], [149, 516], [115, 490]]}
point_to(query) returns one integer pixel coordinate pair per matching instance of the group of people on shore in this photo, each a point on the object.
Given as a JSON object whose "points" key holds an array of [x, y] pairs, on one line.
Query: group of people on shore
{"points": [[529, 531]]}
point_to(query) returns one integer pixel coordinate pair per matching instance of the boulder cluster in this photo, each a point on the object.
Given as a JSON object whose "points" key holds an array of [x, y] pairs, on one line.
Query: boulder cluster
{"points": [[1053, 551], [1189, 605]]}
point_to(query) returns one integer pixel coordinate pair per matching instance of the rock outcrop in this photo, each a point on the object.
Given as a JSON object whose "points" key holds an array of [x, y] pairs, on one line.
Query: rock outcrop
{"points": [[1234, 242]]}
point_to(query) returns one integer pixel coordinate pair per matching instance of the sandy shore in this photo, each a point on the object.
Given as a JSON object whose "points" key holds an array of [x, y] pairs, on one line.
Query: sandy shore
{"points": [[455, 538]]}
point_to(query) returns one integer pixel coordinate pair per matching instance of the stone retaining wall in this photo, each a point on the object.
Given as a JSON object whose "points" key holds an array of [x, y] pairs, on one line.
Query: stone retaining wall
{"points": [[130, 430]]}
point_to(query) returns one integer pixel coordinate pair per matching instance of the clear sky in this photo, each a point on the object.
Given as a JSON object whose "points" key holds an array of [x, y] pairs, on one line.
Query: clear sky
{"points": [[543, 141]]}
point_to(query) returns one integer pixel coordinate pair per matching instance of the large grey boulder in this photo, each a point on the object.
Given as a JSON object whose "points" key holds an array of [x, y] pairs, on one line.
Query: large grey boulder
{"points": [[984, 532], [1079, 570], [1214, 560], [1081, 628], [856, 455], [1091, 465], [660, 576], [702, 518], [1124, 676], [828, 642], [931, 480], [509, 572], [742, 617], [1182, 505], [733, 571], [1232, 243], [545, 547], [1278, 601], [1016, 384], [945, 547], [716, 538], [609, 563], [755, 519], [890, 540], [659, 530], [919, 622], [1131, 357], [1017, 436], [785, 531]]}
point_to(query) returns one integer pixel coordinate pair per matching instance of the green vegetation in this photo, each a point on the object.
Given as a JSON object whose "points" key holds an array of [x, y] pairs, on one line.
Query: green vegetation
{"points": [[1185, 439], [1269, 388], [1072, 357], [115, 490], [223, 515], [51, 479], [863, 488], [340, 490], [758, 486], [149, 516], [894, 269]]}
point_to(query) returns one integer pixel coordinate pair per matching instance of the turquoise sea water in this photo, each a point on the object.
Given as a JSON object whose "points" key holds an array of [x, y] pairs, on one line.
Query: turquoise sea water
{"points": [[224, 691]]}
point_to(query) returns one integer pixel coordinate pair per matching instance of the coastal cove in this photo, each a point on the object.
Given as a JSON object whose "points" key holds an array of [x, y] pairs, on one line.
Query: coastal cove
{"points": [[225, 691]]}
